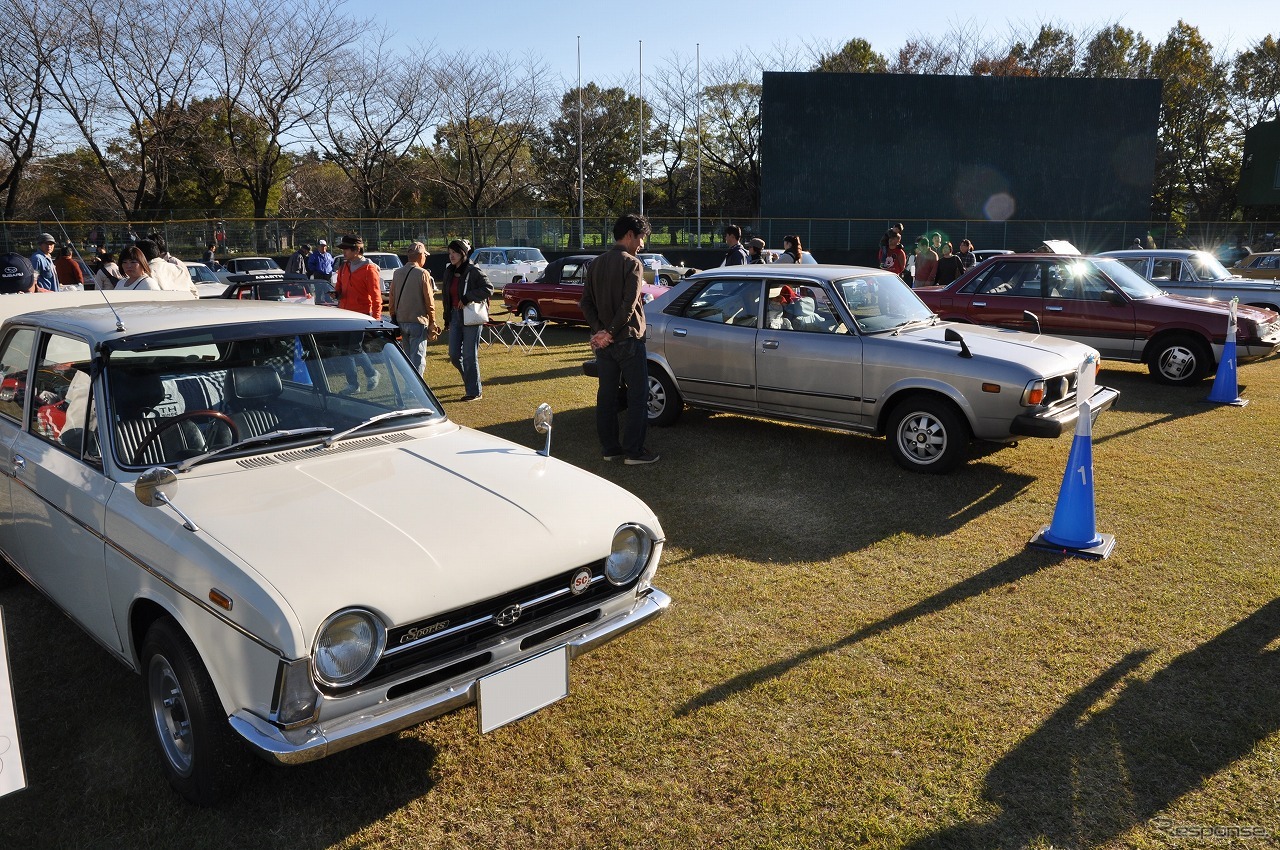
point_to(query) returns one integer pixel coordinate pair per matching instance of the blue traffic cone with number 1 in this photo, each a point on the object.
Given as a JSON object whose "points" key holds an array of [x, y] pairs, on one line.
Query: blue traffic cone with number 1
{"points": [[1225, 389], [1074, 527]]}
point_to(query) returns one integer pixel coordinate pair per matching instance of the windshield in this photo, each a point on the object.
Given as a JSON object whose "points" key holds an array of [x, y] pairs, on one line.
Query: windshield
{"points": [[169, 404], [386, 261], [655, 260], [1133, 284], [525, 255], [881, 302], [1207, 267], [256, 264]]}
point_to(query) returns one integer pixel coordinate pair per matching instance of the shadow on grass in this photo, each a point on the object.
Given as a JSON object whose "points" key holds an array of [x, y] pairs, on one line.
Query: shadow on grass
{"points": [[769, 491], [1009, 572], [1140, 394], [1093, 771], [94, 773]]}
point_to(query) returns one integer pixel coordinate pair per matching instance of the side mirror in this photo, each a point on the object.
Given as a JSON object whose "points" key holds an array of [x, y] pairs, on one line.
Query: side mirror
{"points": [[154, 487], [1112, 297], [542, 424]]}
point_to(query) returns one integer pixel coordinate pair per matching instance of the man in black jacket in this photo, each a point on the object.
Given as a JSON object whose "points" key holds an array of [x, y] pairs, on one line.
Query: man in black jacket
{"points": [[736, 255], [613, 305]]}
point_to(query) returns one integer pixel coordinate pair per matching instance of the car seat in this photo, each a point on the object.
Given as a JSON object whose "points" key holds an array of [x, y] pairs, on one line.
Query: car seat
{"points": [[135, 397], [252, 391]]}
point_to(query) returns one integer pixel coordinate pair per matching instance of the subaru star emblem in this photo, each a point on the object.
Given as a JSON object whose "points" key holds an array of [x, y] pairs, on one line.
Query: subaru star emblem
{"points": [[507, 615], [581, 581]]}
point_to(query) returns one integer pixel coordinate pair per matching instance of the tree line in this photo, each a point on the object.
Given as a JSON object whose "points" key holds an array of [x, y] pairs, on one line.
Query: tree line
{"points": [[233, 109]]}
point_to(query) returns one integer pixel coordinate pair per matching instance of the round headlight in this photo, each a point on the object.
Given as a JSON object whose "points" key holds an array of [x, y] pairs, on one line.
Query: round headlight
{"points": [[631, 548], [348, 646]]}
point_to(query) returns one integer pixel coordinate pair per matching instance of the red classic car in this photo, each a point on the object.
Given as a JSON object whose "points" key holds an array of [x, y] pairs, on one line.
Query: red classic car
{"points": [[1102, 303], [557, 291]]}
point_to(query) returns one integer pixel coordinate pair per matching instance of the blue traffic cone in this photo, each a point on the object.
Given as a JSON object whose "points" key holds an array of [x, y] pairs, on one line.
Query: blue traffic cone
{"points": [[1074, 527], [1225, 389]]}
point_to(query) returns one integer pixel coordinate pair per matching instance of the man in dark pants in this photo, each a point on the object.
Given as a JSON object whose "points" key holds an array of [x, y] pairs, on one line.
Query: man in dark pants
{"points": [[613, 306]]}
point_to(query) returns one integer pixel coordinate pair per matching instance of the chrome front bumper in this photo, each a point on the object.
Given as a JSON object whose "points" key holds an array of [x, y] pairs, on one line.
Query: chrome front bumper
{"points": [[1054, 423], [317, 740]]}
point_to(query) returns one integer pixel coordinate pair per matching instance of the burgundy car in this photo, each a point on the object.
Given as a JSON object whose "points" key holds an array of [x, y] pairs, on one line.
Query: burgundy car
{"points": [[1102, 303], [557, 291]]}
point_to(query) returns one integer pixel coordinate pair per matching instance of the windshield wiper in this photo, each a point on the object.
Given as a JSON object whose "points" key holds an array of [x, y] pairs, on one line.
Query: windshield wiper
{"points": [[261, 439], [390, 414], [932, 320]]}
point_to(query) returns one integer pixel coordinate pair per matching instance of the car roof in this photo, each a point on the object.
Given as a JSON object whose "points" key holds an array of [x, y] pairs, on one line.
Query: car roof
{"points": [[820, 271], [1158, 253], [381, 254], [97, 321], [505, 247]]}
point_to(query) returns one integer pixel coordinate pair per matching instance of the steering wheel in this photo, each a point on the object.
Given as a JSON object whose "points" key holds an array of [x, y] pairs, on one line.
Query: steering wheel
{"points": [[177, 420]]}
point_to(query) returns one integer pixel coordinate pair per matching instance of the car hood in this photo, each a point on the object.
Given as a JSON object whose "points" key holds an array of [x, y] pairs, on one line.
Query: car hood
{"points": [[1218, 308], [1048, 355], [409, 529]]}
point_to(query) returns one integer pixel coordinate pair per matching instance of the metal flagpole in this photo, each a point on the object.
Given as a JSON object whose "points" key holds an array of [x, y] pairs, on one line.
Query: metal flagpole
{"points": [[698, 84], [641, 162], [581, 186]]}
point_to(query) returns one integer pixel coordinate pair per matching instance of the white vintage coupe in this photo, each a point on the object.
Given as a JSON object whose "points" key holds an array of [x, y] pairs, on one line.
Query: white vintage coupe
{"points": [[264, 511]]}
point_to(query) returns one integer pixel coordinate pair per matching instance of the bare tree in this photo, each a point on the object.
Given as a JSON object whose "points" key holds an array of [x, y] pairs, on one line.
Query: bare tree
{"points": [[676, 102], [21, 103], [492, 108], [388, 103], [731, 132], [124, 77], [266, 75]]}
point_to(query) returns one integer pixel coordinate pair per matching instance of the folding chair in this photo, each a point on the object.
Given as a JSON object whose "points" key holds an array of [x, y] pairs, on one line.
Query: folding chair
{"points": [[534, 329]]}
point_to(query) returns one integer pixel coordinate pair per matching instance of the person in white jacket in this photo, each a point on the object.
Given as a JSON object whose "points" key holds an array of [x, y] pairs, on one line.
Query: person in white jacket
{"points": [[166, 270]]}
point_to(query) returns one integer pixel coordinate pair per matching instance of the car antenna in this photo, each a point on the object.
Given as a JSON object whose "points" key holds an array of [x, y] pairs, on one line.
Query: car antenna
{"points": [[80, 257]]}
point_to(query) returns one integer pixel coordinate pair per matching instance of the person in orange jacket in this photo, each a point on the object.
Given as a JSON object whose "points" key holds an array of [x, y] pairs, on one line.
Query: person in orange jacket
{"points": [[359, 289]]}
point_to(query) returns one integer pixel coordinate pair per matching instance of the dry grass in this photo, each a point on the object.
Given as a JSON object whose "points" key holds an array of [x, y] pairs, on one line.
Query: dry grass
{"points": [[857, 656]]}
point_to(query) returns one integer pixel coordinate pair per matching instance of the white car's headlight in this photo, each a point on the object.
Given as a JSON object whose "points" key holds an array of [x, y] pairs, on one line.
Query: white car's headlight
{"points": [[348, 646], [631, 549]]}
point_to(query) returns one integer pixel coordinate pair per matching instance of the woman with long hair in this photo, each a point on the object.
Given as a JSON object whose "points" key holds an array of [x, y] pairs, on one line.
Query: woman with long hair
{"points": [[792, 251], [136, 270]]}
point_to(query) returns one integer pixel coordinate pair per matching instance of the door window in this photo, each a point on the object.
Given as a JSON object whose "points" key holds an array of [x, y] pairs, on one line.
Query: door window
{"points": [[13, 372], [1163, 271], [1077, 281], [62, 410], [729, 302], [809, 310]]}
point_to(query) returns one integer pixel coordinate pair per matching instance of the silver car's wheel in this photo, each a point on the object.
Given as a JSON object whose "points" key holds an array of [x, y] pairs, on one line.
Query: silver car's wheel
{"points": [[1180, 361], [664, 280], [665, 403], [927, 435], [202, 758]]}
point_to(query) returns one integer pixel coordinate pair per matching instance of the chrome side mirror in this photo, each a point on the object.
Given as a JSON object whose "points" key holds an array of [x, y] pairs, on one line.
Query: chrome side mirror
{"points": [[542, 424], [155, 487]]}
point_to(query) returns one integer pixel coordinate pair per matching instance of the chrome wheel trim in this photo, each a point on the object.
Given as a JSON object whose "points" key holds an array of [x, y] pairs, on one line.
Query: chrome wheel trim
{"points": [[170, 714], [657, 397], [922, 437], [1177, 362]]}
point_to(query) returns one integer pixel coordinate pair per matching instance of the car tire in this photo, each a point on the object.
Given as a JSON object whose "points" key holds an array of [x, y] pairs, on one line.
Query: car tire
{"points": [[202, 756], [665, 280], [665, 404], [529, 312], [1180, 360], [927, 434]]}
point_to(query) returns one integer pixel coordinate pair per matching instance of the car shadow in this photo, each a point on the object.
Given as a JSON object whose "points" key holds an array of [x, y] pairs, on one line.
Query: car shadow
{"points": [[1139, 394], [89, 754], [790, 468], [1004, 574], [1107, 761]]}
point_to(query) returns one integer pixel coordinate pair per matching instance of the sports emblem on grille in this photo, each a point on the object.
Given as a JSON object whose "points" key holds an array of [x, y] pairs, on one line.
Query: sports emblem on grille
{"points": [[507, 615], [580, 582]]}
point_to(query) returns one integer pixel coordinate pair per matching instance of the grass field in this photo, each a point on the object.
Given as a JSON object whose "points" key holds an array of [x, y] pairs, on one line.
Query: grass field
{"points": [[856, 657]]}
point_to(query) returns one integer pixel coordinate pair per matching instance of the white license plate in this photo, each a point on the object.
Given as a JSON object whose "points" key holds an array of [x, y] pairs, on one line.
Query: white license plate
{"points": [[523, 689]]}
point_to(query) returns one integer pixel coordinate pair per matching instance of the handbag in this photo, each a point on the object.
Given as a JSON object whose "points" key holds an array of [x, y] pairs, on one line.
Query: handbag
{"points": [[475, 313]]}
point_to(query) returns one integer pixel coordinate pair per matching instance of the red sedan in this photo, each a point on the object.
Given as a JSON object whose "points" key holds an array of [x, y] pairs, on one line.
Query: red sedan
{"points": [[557, 291], [1102, 303]]}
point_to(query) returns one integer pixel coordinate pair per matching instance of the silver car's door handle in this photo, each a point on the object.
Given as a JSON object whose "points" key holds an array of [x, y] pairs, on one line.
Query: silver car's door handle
{"points": [[769, 344], [679, 332], [979, 303], [19, 463], [1054, 308]]}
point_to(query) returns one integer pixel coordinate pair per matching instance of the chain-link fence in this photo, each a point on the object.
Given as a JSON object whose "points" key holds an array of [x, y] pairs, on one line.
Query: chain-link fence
{"points": [[189, 237]]}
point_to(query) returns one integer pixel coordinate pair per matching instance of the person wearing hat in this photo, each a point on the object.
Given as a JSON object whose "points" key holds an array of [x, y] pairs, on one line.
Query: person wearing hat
{"points": [[413, 305], [320, 262], [16, 275], [359, 289], [775, 317], [464, 284], [42, 262], [754, 247]]}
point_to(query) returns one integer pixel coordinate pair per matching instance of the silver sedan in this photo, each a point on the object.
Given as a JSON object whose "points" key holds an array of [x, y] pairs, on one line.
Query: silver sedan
{"points": [[855, 349]]}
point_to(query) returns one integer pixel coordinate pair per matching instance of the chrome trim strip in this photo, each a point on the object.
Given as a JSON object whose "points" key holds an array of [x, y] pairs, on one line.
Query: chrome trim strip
{"points": [[715, 383], [480, 621], [315, 741], [810, 393]]}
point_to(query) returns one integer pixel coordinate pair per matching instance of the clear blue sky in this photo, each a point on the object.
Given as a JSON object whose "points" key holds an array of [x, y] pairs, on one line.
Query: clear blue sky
{"points": [[611, 31]]}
